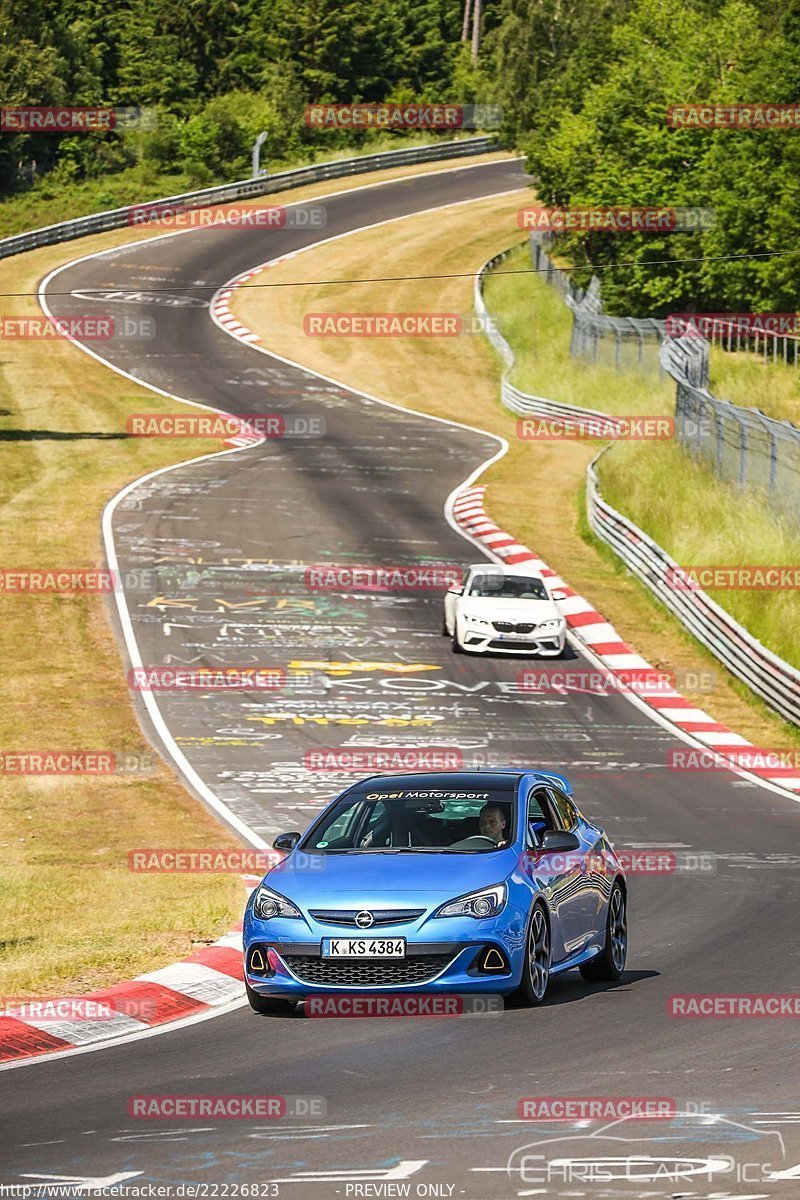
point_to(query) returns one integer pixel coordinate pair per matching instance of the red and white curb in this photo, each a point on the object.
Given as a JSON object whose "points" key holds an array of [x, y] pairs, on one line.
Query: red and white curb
{"points": [[206, 980], [602, 639], [220, 308]]}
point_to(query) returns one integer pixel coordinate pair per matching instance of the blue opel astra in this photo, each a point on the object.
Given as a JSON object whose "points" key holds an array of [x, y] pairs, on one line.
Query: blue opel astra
{"points": [[447, 882]]}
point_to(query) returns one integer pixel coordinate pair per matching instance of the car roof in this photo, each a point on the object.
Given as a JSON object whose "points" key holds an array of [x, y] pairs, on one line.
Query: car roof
{"points": [[496, 778], [461, 781]]}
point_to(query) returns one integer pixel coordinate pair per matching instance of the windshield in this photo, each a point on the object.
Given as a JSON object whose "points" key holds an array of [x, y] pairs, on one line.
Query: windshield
{"points": [[419, 820], [513, 587]]}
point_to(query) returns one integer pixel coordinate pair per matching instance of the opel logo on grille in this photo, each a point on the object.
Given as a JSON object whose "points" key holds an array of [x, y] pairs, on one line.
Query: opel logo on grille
{"points": [[364, 920]]}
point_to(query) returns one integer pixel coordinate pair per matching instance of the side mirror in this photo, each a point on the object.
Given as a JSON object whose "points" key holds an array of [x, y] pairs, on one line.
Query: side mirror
{"points": [[286, 842], [558, 841], [455, 591], [558, 595]]}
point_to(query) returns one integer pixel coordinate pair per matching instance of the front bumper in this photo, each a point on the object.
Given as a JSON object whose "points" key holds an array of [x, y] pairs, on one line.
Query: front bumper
{"points": [[451, 956], [478, 640]]}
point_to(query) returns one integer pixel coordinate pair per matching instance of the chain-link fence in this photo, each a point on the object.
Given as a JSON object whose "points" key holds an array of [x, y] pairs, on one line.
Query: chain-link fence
{"points": [[621, 342], [747, 334], [742, 445]]}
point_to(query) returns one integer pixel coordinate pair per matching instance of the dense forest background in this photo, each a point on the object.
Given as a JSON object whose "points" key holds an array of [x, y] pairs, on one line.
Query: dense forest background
{"points": [[584, 85]]}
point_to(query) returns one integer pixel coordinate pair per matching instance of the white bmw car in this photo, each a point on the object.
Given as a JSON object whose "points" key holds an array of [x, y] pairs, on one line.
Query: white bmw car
{"points": [[504, 609]]}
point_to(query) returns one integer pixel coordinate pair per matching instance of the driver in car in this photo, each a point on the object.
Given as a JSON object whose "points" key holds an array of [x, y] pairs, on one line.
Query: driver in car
{"points": [[492, 823]]}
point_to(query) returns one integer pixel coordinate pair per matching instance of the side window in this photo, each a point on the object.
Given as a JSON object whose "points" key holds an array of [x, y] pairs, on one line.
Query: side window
{"points": [[539, 817], [566, 810]]}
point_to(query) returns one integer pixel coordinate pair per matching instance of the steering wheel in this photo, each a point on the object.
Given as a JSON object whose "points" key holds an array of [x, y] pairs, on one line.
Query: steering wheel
{"points": [[467, 843]]}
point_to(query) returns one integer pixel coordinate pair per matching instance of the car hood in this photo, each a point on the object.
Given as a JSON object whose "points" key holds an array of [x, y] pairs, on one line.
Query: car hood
{"points": [[361, 880], [507, 608]]}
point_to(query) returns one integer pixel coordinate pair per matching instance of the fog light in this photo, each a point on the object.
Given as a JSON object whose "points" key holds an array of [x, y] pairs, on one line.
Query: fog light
{"points": [[258, 962]]}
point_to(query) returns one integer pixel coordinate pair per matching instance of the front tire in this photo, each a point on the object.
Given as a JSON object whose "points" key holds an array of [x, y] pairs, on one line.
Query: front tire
{"points": [[268, 1005], [610, 963], [536, 970], [457, 647]]}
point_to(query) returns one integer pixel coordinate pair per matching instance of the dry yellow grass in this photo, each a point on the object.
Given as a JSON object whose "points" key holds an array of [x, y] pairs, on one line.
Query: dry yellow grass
{"points": [[535, 491]]}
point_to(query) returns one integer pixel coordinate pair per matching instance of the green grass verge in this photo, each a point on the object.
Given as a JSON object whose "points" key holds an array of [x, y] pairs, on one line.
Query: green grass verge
{"points": [[537, 323], [696, 517], [699, 519], [747, 380]]}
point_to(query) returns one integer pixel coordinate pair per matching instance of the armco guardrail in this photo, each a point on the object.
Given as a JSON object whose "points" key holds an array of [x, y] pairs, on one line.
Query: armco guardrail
{"points": [[519, 402], [775, 681], [117, 218], [612, 341], [743, 445]]}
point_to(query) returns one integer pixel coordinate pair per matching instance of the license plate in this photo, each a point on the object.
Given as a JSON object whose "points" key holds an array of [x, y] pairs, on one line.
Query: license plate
{"points": [[363, 947], [514, 637]]}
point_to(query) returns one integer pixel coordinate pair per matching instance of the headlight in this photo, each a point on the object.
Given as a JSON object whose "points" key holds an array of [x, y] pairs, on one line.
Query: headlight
{"points": [[549, 626], [486, 903], [268, 904], [475, 620]]}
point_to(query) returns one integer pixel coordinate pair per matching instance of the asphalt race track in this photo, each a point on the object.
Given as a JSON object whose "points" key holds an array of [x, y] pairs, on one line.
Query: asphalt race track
{"points": [[427, 1102]]}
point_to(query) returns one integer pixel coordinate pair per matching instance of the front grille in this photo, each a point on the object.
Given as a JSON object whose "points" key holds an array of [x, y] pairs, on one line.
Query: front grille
{"points": [[381, 916], [510, 627], [381, 972]]}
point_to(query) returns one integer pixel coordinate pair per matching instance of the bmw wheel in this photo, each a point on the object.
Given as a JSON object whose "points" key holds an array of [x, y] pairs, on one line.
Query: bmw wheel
{"points": [[457, 647], [536, 970], [610, 963], [268, 1005]]}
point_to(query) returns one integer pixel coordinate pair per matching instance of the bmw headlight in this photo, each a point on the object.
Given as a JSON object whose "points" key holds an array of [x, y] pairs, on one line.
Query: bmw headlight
{"points": [[550, 626], [268, 904], [475, 620], [486, 903]]}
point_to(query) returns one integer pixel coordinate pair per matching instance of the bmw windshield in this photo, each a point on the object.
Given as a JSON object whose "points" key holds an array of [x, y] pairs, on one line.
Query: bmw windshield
{"points": [[425, 820], [508, 587]]}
